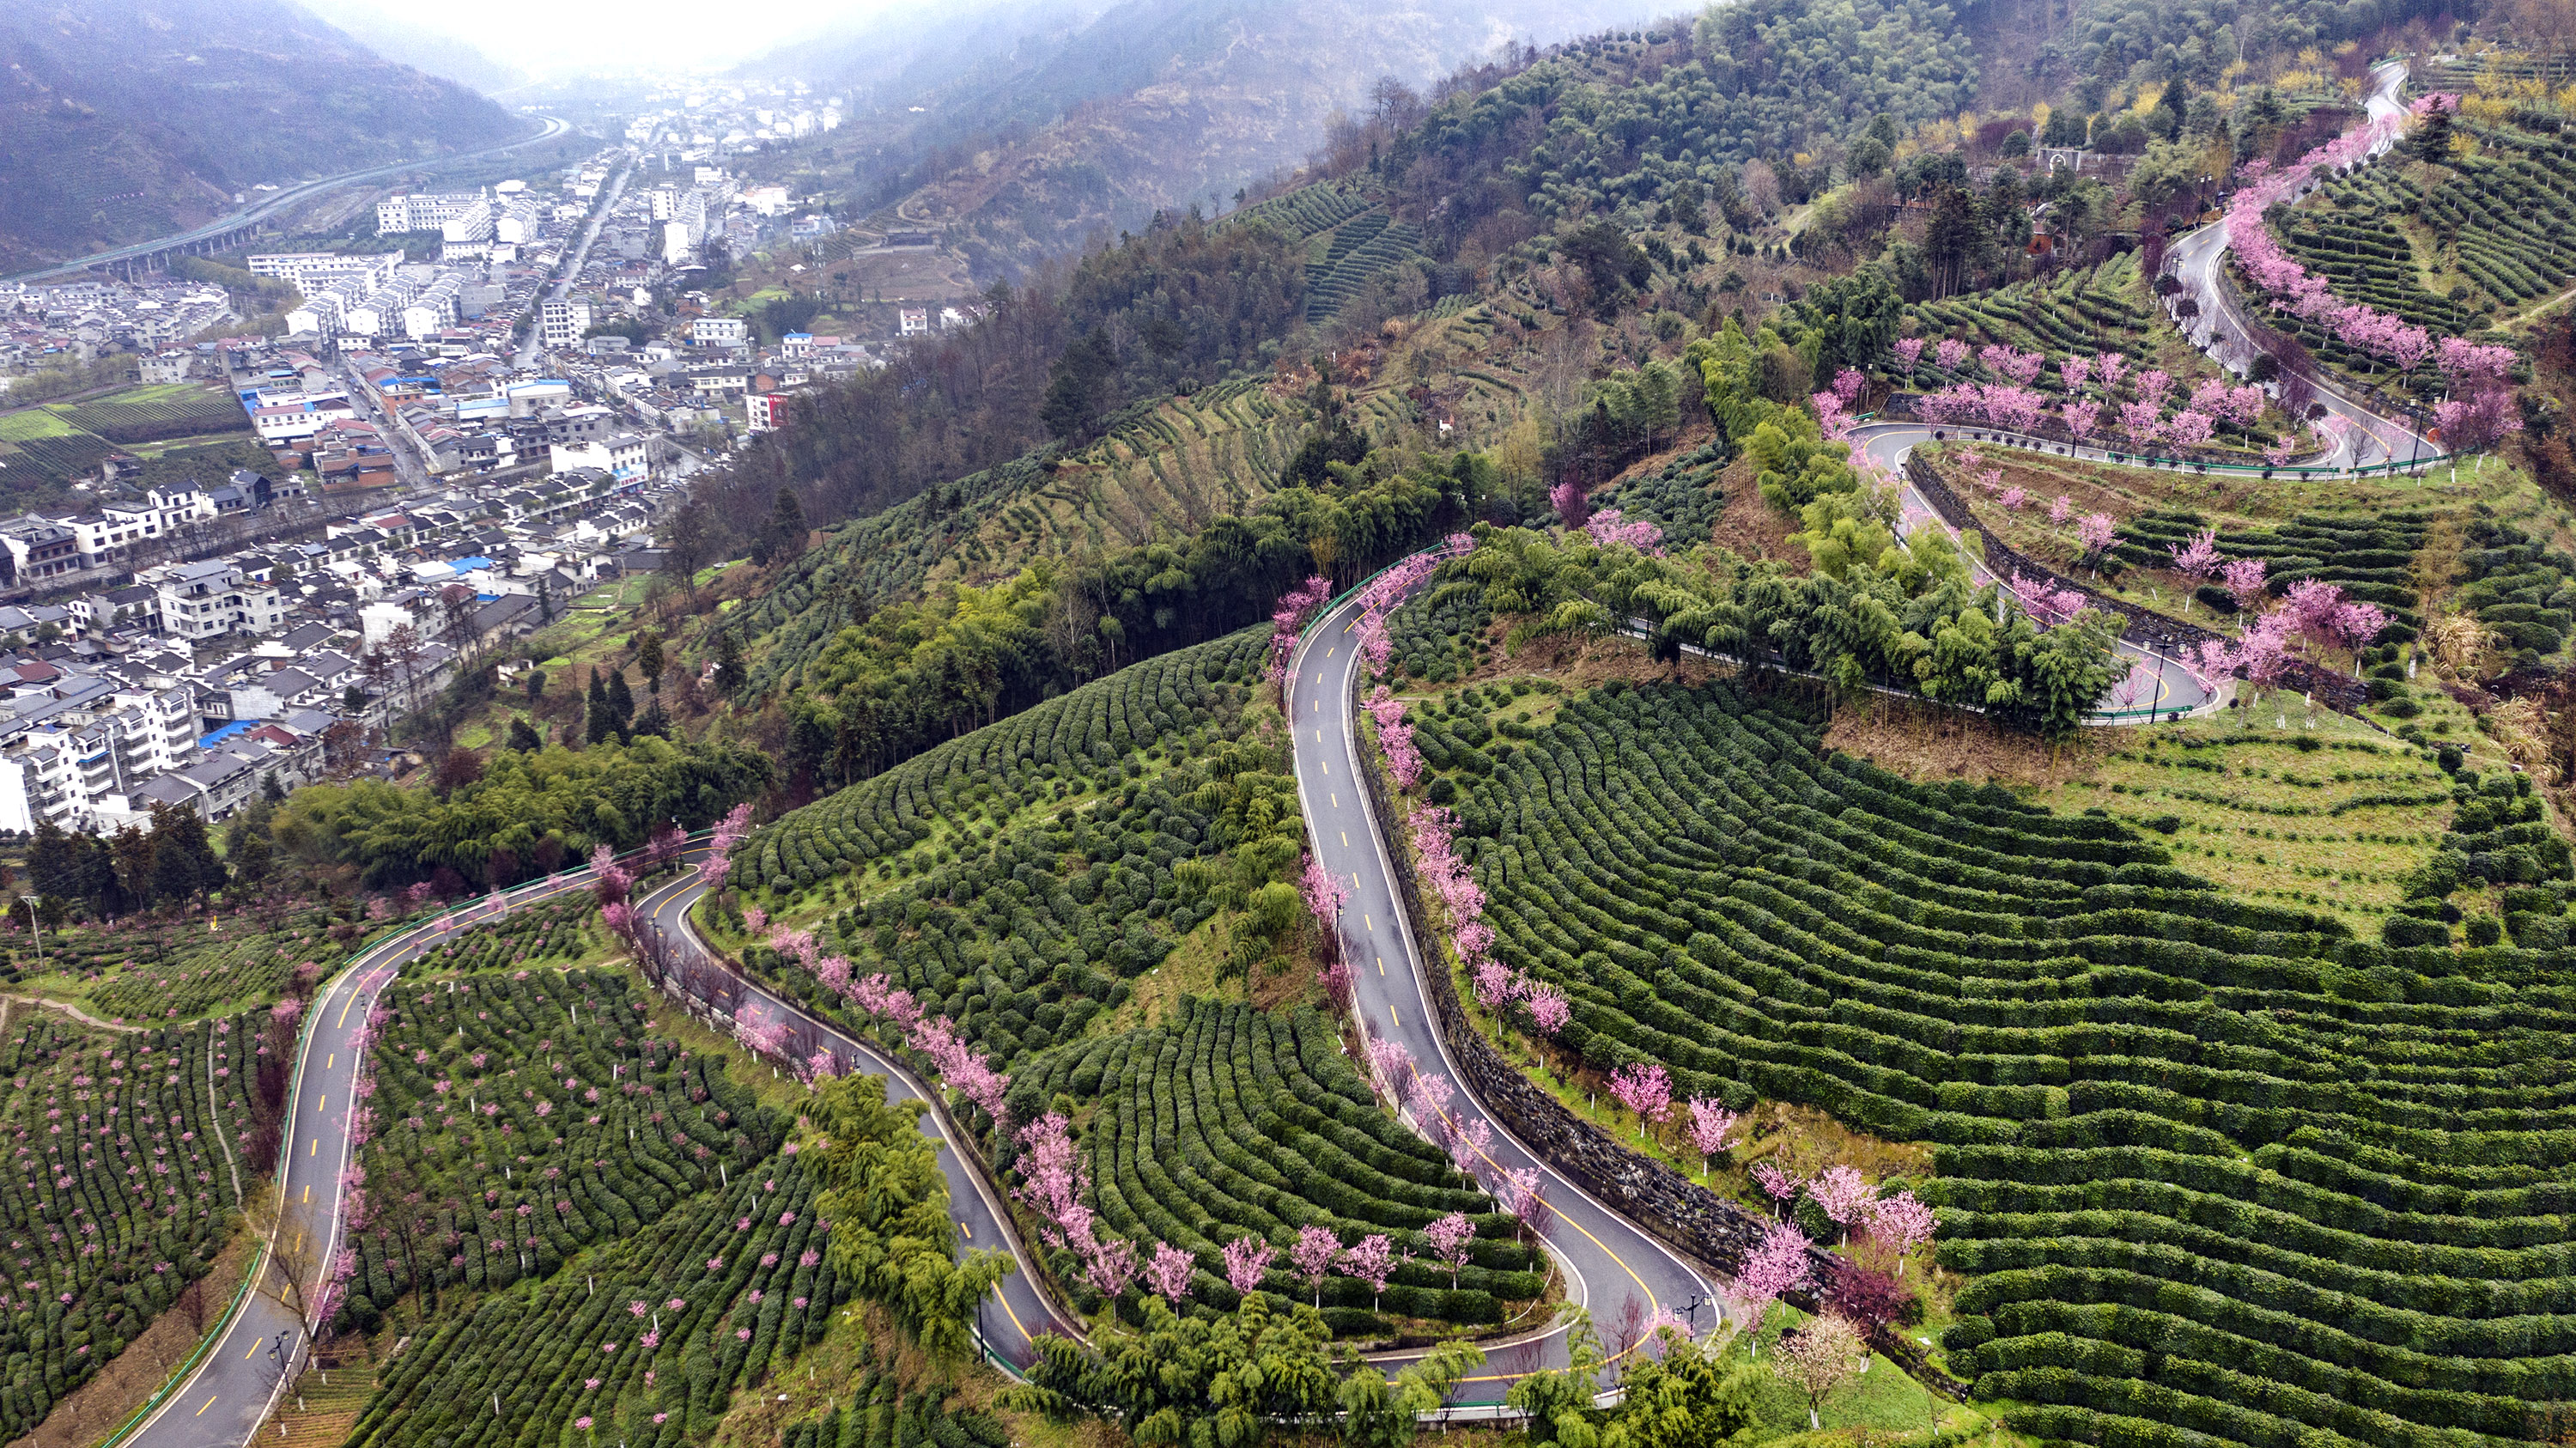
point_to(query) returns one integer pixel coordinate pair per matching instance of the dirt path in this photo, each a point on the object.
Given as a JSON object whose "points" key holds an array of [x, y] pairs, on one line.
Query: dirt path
{"points": [[66, 1007]]}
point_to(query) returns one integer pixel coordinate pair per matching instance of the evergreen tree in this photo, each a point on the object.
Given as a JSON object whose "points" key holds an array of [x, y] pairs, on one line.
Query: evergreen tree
{"points": [[184, 863], [252, 857], [784, 536], [131, 854], [2432, 139], [621, 703], [596, 725], [728, 663], [545, 600], [272, 788], [1078, 386], [648, 658], [524, 737]]}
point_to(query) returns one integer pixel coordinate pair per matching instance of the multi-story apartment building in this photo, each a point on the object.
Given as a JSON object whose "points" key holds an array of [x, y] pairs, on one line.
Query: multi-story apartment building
{"points": [[213, 598], [424, 211], [310, 271]]}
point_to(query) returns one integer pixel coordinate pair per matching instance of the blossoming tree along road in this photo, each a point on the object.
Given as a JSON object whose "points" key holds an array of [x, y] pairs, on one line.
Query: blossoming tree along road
{"points": [[232, 1389], [2197, 260], [1018, 1309], [1609, 1261]]}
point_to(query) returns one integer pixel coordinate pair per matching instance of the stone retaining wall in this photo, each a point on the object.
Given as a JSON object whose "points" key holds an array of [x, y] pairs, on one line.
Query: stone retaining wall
{"points": [[1694, 1220], [2142, 626]]}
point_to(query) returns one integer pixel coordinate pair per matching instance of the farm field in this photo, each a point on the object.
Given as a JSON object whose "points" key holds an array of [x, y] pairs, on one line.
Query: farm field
{"points": [[145, 969], [129, 1179], [46, 447], [648, 1131], [2178, 1094], [1033, 878], [2458, 247]]}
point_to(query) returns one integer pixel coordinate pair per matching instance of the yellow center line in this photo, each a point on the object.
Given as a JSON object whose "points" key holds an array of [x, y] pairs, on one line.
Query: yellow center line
{"points": [[344, 1008], [318, 1100], [966, 1230], [316, 1151], [308, 1193], [1372, 924], [1319, 736], [333, 1061], [1346, 839], [1015, 1318], [201, 1409], [1337, 799], [254, 1347], [1381, 965]]}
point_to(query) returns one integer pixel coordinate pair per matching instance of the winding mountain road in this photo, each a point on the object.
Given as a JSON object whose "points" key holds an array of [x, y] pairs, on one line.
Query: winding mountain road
{"points": [[232, 1390], [2223, 333], [2178, 690], [1609, 1262], [1017, 1309]]}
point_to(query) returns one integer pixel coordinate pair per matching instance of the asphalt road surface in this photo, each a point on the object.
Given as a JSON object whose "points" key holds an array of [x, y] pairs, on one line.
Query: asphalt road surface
{"points": [[2221, 332], [1017, 1309], [1887, 443], [1609, 1263], [232, 1390]]}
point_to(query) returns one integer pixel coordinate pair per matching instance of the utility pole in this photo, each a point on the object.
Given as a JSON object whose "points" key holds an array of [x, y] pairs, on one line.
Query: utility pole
{"points": [[34, 929]]}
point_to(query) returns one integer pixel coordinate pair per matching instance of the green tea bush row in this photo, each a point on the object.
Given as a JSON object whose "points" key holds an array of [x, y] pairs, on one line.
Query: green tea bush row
{"points": [[2332, 1165], [123, 1184]]}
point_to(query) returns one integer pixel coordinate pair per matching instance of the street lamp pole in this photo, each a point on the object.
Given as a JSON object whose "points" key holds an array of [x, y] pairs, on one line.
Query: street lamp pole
{"points": [[35, 929]]}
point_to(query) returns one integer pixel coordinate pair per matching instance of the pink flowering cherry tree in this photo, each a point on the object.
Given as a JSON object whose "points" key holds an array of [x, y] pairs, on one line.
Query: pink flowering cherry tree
{"points": [[1775, 1267], [1902, 1222], [1712, 1130], [1844, 1194], [1247, 1260], [1645, 1088], [1168, 1271], [1778, 1183], [1314, 1256], [1451, 1239], [1372, 1260]]}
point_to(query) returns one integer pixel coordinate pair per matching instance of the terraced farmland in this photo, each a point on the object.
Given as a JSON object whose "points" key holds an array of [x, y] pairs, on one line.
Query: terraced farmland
{"points": [[1275, 1130], [124, 1185], [2502, 223], [1341, 262], [2084, 310], [2372, 558], [618, 1130], [1026, 881], [43, 449], [2222, 1173]]}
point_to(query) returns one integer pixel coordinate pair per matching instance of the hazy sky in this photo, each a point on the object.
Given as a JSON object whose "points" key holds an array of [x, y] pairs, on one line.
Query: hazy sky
{"points": [[553, 36]]}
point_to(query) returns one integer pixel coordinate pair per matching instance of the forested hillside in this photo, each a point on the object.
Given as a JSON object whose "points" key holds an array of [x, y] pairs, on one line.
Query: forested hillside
{"points": [[126, 120]]}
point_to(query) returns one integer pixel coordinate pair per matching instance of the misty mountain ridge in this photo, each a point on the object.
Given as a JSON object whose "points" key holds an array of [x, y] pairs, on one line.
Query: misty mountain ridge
{"points": [[124, 119], [1060, 123]]}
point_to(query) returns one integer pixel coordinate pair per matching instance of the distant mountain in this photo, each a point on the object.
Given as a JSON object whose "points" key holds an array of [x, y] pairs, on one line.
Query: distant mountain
{"points": [[123, 119], [443, 56], [1023, 131]]}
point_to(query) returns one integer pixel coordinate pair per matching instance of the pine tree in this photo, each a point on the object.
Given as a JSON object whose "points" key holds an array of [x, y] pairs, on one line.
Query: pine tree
{"points": [[728, 663], [525, 738], [621, 704], [784, 537], [596, 723]]}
